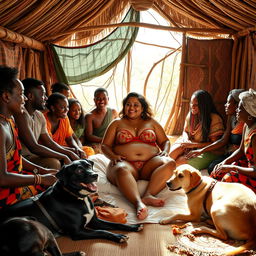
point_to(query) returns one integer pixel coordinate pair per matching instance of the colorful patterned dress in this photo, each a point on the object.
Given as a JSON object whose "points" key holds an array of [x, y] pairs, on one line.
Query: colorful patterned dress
{"points": [[248, 161], [9, 196]]}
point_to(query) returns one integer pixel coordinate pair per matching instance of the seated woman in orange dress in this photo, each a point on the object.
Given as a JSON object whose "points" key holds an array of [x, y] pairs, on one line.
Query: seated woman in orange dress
{"points": [[241, 165], [58, 124], [138, 149], [16, 183]]}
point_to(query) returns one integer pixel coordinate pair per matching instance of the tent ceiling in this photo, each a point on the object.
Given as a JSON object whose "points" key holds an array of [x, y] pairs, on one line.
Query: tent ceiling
{"points": [[47, 20]]}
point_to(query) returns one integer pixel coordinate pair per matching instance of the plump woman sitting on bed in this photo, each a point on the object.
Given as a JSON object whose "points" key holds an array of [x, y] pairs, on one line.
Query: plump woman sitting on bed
{"points": [[138, 149], [203, 126]]}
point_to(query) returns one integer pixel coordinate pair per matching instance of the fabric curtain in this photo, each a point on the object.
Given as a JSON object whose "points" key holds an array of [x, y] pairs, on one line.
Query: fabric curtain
{"points": [[81, 64], [244, 62], [207, 66], [29, 62]]}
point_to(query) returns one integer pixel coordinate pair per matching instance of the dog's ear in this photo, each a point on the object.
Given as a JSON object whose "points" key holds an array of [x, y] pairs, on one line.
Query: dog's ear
{"points": [[195, 178], [85, 162], [60, 174], [90, 162]]}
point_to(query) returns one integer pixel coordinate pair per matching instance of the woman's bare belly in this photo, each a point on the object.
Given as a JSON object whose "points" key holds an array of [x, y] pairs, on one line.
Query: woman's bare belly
{"points": [[136, 151]]}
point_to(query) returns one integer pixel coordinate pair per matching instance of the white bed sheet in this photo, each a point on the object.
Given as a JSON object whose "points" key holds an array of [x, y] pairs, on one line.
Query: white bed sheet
{"points": [[175, 201]]}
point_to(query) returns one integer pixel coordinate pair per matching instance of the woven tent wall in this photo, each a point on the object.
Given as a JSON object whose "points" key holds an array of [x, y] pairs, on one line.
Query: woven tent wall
{"points": [[207, 66]]}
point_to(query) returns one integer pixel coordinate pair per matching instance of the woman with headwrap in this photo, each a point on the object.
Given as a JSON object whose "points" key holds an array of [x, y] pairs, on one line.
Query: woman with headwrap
{"points": [[232, 136], [240, 166]]}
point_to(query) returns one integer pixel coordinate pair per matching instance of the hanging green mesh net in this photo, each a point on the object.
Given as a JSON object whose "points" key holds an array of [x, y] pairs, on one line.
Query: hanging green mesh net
{"points": [[80, 64]]}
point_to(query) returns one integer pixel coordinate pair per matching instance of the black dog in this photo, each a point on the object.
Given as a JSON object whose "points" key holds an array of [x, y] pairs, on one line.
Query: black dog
{"points": [[26, 237], [66, 208]]}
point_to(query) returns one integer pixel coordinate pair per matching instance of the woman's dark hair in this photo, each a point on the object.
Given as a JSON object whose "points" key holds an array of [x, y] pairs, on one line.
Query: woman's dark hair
{"points": [[59, 87], [72, 101], [146, 113], [53, 99], [7, 77], [206, 107]]}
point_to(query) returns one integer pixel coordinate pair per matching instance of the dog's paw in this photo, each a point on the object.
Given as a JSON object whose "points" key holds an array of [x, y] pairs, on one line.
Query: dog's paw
{"points": [[123, 238], [196, 231], [74, 254], [164, 221], [138, 227]]}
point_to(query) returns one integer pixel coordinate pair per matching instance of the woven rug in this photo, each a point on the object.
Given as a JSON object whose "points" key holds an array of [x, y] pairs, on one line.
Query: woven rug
{"points": [[201, 245]]}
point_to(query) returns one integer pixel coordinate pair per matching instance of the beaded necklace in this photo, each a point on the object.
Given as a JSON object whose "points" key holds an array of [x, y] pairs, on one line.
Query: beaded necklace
{"points": [[5, 118]]}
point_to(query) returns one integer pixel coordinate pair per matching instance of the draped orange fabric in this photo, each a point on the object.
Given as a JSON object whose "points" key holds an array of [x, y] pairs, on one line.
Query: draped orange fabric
{"points": [[63, 131]]}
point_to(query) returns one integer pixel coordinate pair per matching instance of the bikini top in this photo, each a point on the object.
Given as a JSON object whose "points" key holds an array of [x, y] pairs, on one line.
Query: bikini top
{"points": [[147, 136]]}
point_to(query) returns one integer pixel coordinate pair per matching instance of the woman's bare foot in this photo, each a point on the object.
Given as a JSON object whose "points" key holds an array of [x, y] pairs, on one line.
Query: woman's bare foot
{"points": [[142, 211], [153, 201]]}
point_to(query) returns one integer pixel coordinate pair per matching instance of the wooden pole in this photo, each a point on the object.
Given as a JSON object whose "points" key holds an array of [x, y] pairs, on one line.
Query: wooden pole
{"points": [[10, 36], [147, 25], [128, 70]]}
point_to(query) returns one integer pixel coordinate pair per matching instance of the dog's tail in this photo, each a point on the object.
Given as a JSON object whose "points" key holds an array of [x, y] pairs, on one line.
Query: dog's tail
{"points": [[249, 245]]}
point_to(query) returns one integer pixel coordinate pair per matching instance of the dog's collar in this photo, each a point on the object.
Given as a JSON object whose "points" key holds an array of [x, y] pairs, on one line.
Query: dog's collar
{"points": [[192, 189], [73, 194], [213, 183]]}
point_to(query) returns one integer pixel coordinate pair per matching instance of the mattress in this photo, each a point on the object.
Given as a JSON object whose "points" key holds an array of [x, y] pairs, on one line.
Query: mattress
{"points": [[175, 201]]}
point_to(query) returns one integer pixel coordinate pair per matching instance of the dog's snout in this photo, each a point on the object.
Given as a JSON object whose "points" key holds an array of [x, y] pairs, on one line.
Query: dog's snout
{"points": [[169, 183], [95, 176]]}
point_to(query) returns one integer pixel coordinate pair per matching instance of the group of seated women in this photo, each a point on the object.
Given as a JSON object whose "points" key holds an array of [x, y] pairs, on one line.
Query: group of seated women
{"points": [[228, 154], [135, 143]]}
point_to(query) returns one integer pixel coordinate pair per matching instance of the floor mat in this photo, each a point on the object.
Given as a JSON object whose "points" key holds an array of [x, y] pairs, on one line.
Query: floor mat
{"points": [[201, 245]]}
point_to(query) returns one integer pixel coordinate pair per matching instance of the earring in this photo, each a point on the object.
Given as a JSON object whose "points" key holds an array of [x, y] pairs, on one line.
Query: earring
{"points": [[249, 118]]}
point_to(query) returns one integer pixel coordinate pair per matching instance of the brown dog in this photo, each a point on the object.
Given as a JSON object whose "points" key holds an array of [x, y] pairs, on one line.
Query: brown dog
{"points": [[231, 206], [27, 237]]}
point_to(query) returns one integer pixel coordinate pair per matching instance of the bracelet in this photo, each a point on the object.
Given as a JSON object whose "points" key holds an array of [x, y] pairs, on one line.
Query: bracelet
{"points": [[36, 171], [37, 179]]}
